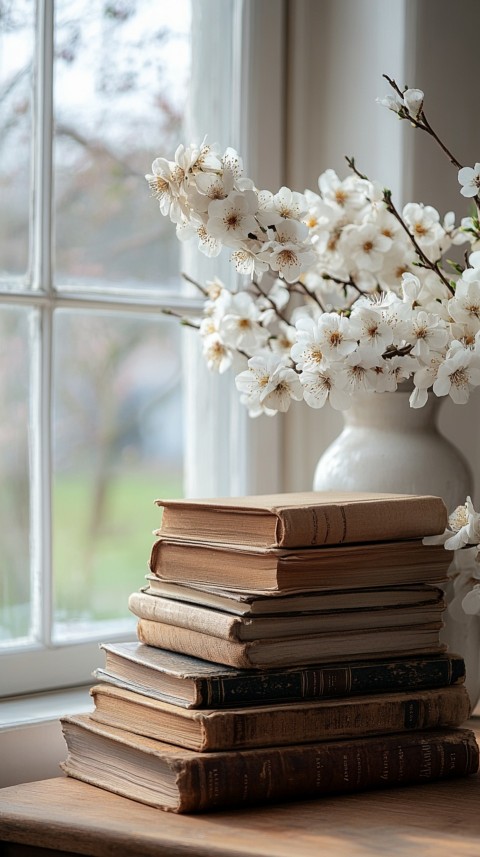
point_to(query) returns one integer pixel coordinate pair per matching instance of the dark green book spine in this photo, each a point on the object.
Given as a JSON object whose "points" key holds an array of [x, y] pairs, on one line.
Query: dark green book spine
{"points": [[326, 682]]}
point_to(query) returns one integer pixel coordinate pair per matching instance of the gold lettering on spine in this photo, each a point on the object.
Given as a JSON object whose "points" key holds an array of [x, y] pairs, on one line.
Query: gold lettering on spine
{"points": [[385, 775], [426, 766], [213, 785]]}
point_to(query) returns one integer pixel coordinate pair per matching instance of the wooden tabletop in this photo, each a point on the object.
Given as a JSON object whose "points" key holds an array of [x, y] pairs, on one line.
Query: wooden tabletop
{"points": [[64, 816]]}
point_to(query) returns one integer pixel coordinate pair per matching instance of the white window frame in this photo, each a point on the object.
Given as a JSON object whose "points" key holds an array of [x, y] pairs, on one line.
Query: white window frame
{"points": [[241, 455]]}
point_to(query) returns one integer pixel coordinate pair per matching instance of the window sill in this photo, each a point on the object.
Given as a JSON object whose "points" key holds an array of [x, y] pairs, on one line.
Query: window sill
{"points": [[22, 711], [31, 740]]}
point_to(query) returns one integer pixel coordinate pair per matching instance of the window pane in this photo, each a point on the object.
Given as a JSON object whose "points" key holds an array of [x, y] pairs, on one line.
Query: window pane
{"points": [[121, 75], [117, 447], [17, 23], [14, 475]]}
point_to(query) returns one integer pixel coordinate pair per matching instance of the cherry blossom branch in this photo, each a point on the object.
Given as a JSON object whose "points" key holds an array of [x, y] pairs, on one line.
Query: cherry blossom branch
{"points": [[420, 121], [348, 282], [433, 266], [267, 297], [310, 294], [187, 322], [394, 351], [195, 283], [423, 124]]}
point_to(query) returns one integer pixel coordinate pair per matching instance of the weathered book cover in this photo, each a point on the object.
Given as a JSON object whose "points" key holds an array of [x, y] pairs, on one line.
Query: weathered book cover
{"points": [[253, 604], [276, 725], [304, 519], [229, 627], [307, 569], [293, 651], [179, 780], [194, 683]]}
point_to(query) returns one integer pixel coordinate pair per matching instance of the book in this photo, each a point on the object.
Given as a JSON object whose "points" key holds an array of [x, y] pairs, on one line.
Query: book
{"points": [[304, 519], [253, 604], [179, 780], [261, 570], [293, 651], [230, 627], [193, 683], [285, 723]]}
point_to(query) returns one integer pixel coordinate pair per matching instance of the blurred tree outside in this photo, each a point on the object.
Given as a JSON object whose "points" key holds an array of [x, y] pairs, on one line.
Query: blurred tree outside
{"points": [[120, 84]]}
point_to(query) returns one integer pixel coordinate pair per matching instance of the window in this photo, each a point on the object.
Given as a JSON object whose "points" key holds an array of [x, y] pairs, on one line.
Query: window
{"points": [[92, 382]]}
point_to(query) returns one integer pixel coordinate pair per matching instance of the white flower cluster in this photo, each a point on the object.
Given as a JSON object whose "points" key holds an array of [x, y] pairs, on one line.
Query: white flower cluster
{"points": [[343, 293], [463, 532]]}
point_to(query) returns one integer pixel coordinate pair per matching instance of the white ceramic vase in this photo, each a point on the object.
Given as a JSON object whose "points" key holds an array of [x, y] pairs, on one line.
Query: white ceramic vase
{"points": [[387, 446]]}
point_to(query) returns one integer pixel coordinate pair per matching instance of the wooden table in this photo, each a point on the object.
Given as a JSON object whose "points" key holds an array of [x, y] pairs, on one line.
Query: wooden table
{"points": [[63, 816]]}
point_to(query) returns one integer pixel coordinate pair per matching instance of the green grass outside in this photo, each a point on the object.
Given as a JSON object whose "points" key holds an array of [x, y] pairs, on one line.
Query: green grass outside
{"points": [[100, 559]]}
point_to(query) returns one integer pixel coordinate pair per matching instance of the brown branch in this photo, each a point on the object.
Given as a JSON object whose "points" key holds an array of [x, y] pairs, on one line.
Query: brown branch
{"points": [[432, 266]]}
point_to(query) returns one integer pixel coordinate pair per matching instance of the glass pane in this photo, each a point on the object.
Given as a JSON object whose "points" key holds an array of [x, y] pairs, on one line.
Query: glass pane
{"points": [[14, 476], [121, 75], [17, 25], [117, 447]]}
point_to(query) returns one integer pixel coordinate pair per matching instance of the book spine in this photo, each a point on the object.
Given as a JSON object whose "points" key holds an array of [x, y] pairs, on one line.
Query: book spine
{"points": [[334, 720], [188, 642], [213, 781], [328, 682], [183, 615], [367, 521]]}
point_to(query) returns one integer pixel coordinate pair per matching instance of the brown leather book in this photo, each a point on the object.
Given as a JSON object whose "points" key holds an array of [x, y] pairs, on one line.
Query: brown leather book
{"points": [[306, 519], [274, 725], [264, 570], [179, 780], [294, 651]]}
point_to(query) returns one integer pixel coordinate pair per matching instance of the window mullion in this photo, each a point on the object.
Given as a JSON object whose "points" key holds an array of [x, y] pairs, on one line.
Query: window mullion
{"points": [[41, 330]]}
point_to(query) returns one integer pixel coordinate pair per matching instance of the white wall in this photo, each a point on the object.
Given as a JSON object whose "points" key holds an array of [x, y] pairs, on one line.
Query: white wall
{"points": [[338, 51]]}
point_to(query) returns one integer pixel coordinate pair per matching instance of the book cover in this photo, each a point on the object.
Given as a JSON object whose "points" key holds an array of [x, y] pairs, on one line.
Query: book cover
{"points": [[261, 570], [293, 651], [304, 519], [253, 604], [284, 723], [194, 683], [178, 780], [229, 627]]}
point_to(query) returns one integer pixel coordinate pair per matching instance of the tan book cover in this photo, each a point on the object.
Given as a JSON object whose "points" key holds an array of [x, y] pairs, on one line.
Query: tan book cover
{"points": [[275, 725], [304, 519], [305, 569], [293, 651], [179, 780], [248, 604], [229, 627]]}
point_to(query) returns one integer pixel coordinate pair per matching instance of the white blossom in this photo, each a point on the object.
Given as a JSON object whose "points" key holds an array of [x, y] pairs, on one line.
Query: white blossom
{"points": [[458, 374], [413, 100], [268, 385], [326, 384], [240, 325], [469, 178], [232, 219]]}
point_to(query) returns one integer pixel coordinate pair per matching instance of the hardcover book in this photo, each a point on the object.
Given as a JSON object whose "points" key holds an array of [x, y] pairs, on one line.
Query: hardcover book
{"points": [[284, 723], [179, 780], [229, 627], [253, 604], [294, 651], [262, 570], [193, 683], [304, 519]]}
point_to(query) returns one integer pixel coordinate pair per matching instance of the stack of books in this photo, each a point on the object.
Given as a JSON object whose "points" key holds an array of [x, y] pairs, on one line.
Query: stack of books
{"points": [[288, 647]]}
